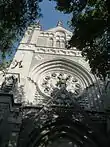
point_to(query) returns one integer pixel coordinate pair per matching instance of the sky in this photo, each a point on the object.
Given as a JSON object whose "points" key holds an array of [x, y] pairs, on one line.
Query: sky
{"points": [[51, 16]]}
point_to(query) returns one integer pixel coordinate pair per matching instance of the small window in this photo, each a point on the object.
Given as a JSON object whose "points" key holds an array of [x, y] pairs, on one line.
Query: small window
{"points": [[50, 42], [62, 44], [58, 43]]}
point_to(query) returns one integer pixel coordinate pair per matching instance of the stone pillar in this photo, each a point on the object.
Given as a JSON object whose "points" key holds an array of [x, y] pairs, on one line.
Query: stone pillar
{"points": [[10, 118], [106, 96]]}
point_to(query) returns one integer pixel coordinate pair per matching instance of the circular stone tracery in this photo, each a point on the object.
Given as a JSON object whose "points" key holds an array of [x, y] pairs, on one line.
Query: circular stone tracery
{"points": [[53, 80]]}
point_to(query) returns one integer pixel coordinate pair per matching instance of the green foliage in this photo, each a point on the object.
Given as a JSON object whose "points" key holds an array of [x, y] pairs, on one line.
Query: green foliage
{"points": [[4, 65], [89, 23], [15, 16], [90, 27]]}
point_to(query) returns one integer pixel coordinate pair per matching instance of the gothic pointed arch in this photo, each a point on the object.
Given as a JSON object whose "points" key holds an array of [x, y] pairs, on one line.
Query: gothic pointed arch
{"points": [[58, 43], [63, 43], [50, 42]]}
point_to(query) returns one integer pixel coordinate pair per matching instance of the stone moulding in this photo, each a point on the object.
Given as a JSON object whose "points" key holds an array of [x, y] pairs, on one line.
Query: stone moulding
{"points": [[60, 65], [58, 51], [48, 50]]}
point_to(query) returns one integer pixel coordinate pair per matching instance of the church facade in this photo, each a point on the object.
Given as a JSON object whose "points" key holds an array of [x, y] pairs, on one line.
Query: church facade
{"points": [[42, 61], [61, 99]]}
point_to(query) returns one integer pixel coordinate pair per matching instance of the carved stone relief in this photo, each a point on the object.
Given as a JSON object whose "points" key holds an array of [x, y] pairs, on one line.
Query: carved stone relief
{"points": [[51, 50], [54, 80], [9, 83], [58, 51], [16, 63]]}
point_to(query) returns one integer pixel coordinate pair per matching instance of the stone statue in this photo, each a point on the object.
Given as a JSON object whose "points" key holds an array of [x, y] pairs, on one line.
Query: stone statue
{"points": [[8, 84]]}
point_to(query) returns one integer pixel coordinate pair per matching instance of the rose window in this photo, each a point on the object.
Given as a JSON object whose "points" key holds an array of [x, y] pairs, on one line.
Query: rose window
{"points": [[58, 80]]}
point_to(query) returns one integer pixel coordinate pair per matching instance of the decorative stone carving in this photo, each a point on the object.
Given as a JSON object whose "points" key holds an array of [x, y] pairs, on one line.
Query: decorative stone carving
{"points": [[59, 23], [38, 25], [58, 51], [58, 80], [17, 63], [9, 83], [39, 99]]}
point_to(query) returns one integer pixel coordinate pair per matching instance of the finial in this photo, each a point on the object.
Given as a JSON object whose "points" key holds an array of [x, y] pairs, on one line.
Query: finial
{"points": [[38, 25], [60, 24]]}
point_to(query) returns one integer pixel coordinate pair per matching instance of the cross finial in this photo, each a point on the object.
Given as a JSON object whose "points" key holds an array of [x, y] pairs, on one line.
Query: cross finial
{"points": [[38, 25], [60, 23]]}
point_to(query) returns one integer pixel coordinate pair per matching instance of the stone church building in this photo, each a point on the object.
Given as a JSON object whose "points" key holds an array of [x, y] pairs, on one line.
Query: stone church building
{"points": [[62, 101], [42, 60]]}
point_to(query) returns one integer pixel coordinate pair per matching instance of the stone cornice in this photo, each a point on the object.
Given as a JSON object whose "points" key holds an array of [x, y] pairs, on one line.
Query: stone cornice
{"points": [[50, 50], [58, 51]]}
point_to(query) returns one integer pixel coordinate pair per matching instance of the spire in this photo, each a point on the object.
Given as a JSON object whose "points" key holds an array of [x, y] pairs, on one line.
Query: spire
{"points": [[59, 23]]}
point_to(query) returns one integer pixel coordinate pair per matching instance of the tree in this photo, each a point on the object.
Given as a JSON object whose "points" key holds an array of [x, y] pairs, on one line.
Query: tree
{"points": [[90, 24], [15, 16], [90, 21]]}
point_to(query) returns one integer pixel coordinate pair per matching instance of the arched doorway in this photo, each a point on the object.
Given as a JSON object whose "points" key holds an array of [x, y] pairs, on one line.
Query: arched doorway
{"points": [[59, 124]]}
